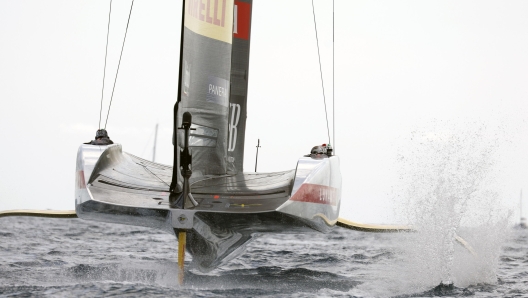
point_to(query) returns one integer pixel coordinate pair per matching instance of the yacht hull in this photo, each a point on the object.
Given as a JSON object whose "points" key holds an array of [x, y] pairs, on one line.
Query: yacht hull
{"points": [[114, 186]]}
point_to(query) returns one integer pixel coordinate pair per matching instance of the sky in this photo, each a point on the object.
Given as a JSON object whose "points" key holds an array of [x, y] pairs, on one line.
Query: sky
{"points": [[401, 67]]}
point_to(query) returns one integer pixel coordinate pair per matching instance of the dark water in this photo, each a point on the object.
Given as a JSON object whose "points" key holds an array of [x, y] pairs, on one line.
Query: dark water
{"points": [[66, 258]]}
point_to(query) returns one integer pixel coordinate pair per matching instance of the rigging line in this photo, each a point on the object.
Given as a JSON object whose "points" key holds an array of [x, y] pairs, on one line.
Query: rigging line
{"points": [[321, 72], [145, 167], [119, 63], [104, 70], [333, 76]]}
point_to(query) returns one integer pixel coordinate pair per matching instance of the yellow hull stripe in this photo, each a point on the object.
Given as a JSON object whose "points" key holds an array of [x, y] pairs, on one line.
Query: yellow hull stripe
{"points": [[40, 213], [348, 224]]}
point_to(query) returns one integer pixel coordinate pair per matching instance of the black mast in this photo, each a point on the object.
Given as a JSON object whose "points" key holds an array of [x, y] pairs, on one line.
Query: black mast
{"points": [[174, 189]]}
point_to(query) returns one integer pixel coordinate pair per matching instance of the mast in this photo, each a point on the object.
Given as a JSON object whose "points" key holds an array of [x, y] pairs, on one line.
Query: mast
{"points": [[256, 158], [174, 188], [522, 223], [155, 142], [521, 209]]}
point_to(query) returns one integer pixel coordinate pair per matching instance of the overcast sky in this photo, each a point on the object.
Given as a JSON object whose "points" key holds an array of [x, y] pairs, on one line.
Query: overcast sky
{"points": [[437, 68]]}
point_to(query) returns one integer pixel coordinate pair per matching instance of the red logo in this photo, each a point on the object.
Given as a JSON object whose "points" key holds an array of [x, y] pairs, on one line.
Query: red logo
{"points": [[208, 12], [242, 20], [315, 193]]}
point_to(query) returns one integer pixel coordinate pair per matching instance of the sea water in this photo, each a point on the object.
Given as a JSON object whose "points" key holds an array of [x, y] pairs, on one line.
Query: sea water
{"points": [[72, 257]]}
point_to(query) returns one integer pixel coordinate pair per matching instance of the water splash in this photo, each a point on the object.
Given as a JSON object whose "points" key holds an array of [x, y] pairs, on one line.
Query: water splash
{"points": [[449, 181], [448, 186]]}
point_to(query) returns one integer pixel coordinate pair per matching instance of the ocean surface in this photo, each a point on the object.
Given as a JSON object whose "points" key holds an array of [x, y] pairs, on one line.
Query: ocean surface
{"points": [[75, 258]]}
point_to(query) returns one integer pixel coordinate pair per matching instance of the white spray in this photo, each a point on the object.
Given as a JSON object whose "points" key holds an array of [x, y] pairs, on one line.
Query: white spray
{"points": [[449, 182], [448, 186]]}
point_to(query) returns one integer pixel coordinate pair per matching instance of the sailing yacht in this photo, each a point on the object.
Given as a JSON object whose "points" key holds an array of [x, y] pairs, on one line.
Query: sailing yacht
{"points": [[206, 196]]}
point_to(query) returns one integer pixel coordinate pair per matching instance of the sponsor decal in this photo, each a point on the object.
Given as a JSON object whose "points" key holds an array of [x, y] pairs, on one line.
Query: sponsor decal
{"points": [[80, 183], [233, 123], [241, 20], [211, 18], [217, 91], [315, 193]]}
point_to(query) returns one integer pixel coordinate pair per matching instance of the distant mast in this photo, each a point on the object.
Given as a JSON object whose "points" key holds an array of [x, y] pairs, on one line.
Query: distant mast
{"points": [[155, 142], [256, 158], [522, 224]]}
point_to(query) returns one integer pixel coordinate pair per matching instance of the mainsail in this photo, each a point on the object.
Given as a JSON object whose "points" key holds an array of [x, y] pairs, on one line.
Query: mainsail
{"points": [[239, 84], [213, 82]]}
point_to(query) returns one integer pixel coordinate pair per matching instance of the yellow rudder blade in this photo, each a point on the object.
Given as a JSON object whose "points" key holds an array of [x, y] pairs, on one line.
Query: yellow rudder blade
{"points": [[182, 235]]}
